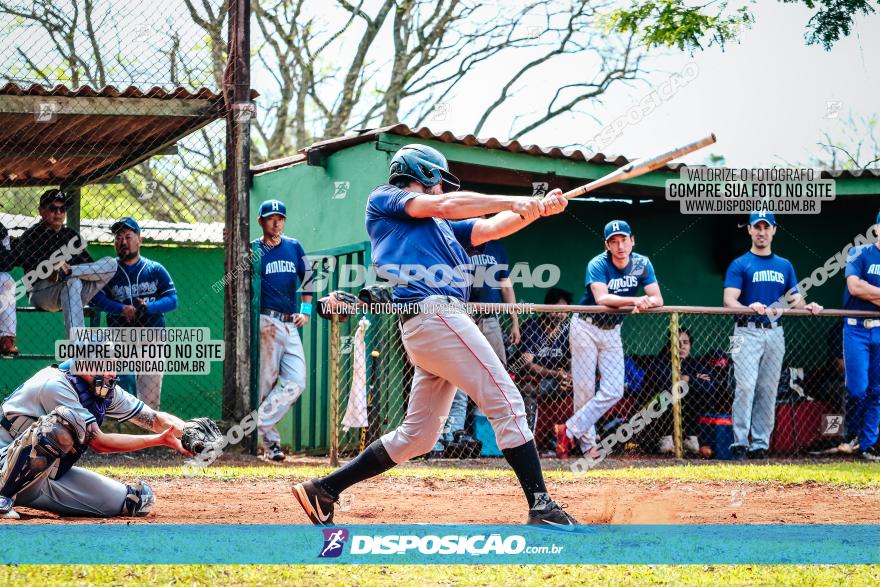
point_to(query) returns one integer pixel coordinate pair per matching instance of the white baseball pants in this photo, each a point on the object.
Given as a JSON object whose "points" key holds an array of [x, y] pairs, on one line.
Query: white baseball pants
{"points": [[71, 295], [7, 305], [282, 374], [593, 347]]}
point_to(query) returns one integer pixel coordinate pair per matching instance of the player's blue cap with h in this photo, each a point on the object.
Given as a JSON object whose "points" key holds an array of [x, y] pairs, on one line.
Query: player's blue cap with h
{"points": [[617, 227], [270, 207], [762, 216], [126, 222]]}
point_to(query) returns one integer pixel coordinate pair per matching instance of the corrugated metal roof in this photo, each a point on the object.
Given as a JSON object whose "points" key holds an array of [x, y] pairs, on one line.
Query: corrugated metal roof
{"points": [[97, 230], [69, 137], [12, 89], [332, 145]]}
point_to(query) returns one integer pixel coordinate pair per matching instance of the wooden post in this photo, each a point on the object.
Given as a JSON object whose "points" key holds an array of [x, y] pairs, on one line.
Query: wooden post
{"points": [[237, 384], [334, 391], [676, 379]]}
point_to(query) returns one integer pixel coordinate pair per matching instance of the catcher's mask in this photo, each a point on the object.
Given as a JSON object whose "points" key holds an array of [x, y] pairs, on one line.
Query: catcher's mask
{"points": [[105, 384], [423, 164]]}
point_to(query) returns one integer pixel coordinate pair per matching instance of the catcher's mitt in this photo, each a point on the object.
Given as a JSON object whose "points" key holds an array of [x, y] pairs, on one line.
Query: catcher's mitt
{"points": [[375, 294], [338, 303], [201, 435]]}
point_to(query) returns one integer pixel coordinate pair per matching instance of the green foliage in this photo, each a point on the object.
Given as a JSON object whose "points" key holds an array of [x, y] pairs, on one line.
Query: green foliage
{"points": [[673, 23], [833, 20]]}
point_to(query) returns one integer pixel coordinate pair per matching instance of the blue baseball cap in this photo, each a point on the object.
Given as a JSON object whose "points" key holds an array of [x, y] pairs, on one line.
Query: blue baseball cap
{"points": [[762, 216], [126, 222], [617, 227], [270, 207]]}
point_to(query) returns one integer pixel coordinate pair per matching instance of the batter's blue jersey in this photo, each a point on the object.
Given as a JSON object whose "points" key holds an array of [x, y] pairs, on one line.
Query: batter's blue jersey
{"points": [[147, 280], [490, 261], [639, 272], [864, 263], [423, 256], [761, 278], [282, 268]]}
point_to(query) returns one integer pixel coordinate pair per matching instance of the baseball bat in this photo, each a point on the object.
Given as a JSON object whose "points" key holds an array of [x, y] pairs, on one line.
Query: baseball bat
{"points": [[640, 167]]}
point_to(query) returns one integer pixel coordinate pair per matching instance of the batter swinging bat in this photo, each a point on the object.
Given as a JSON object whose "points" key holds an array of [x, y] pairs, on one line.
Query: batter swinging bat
{"points": [[640, 167]]}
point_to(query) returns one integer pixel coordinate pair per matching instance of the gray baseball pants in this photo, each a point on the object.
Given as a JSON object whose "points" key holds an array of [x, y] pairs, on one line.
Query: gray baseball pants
{"points": [[757, 364], [74, 293], [449, 352]]}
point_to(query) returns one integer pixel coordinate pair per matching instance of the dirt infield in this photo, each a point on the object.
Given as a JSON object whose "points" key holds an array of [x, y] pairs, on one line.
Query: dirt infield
{"points": [[499, 501]]}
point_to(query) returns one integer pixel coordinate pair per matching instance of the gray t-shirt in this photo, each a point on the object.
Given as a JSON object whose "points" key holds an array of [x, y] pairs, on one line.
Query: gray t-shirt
{"points": [[48, 389]]}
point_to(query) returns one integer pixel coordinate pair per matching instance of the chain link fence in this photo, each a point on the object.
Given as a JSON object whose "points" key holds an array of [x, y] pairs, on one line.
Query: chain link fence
{"points": [[118, 107], [775, 389]]}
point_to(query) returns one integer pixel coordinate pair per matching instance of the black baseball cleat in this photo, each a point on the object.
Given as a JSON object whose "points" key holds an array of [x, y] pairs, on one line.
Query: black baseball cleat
{"points": [[548, 512], [317, 503], [757, 454]]}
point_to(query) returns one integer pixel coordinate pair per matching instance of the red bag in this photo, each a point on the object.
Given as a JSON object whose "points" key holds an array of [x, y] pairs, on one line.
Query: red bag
{"points": [[798, 426]]}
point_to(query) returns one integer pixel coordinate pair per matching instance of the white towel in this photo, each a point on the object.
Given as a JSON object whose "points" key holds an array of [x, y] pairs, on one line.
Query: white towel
{"points": [[356, 411]]}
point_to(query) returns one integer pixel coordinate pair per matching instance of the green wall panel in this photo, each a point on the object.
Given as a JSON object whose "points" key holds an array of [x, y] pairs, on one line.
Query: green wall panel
{"points": [[194, 270]]}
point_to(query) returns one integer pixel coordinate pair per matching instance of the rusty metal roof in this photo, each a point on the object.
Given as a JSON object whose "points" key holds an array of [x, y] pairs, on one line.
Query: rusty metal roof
{"points": [[97, 230], [332, 145], [69, 137]]}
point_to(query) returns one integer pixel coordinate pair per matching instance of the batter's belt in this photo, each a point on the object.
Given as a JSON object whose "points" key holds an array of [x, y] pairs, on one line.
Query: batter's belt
{"points": [[430, 305]]}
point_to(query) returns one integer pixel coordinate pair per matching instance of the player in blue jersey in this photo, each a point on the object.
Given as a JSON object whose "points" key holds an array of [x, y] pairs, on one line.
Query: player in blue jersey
{"points": [[755, 281], [613, 279], [138, 295], [861, 347], [282, 360], [419, 223]]}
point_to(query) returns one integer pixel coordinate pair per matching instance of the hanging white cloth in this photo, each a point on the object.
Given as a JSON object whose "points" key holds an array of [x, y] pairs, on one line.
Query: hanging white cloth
{"points": [[356, 411]]}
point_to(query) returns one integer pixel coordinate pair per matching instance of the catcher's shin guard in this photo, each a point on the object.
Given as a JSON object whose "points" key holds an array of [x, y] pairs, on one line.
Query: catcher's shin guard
{"points": [[139, 500], [31, 455]]}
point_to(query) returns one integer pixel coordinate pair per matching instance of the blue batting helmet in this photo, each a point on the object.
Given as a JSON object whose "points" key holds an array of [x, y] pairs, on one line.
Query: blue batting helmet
{"points": [[423, 164]]}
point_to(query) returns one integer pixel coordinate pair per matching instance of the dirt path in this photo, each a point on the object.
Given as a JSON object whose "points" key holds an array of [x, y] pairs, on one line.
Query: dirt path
{"points": [[408, 500]]}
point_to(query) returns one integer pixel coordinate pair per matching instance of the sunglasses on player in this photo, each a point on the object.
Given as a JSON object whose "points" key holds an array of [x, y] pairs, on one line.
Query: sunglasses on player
{"points": [[61, 209]]}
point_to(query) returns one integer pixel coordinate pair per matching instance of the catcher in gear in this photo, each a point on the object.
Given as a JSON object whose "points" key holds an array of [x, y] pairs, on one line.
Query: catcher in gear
{"points": [[50, 421]]}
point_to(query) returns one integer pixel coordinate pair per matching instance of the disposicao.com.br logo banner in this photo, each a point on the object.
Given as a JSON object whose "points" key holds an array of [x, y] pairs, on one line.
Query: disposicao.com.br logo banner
{"points": [[439, 544]]}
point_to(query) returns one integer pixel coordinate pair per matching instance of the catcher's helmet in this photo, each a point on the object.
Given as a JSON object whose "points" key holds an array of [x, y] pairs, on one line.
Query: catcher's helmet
{"points": [[423, 164]]}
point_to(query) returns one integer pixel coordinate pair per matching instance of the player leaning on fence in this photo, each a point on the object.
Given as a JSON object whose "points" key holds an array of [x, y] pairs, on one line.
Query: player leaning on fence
{"points": [[7, 297], [861, 348], [613, 279], [755, 281], [64, 276], [419, 219]]}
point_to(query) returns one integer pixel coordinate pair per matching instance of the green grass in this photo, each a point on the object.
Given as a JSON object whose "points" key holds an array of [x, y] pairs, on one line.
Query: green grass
{"points": [[326, 576], [848, 474]]}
